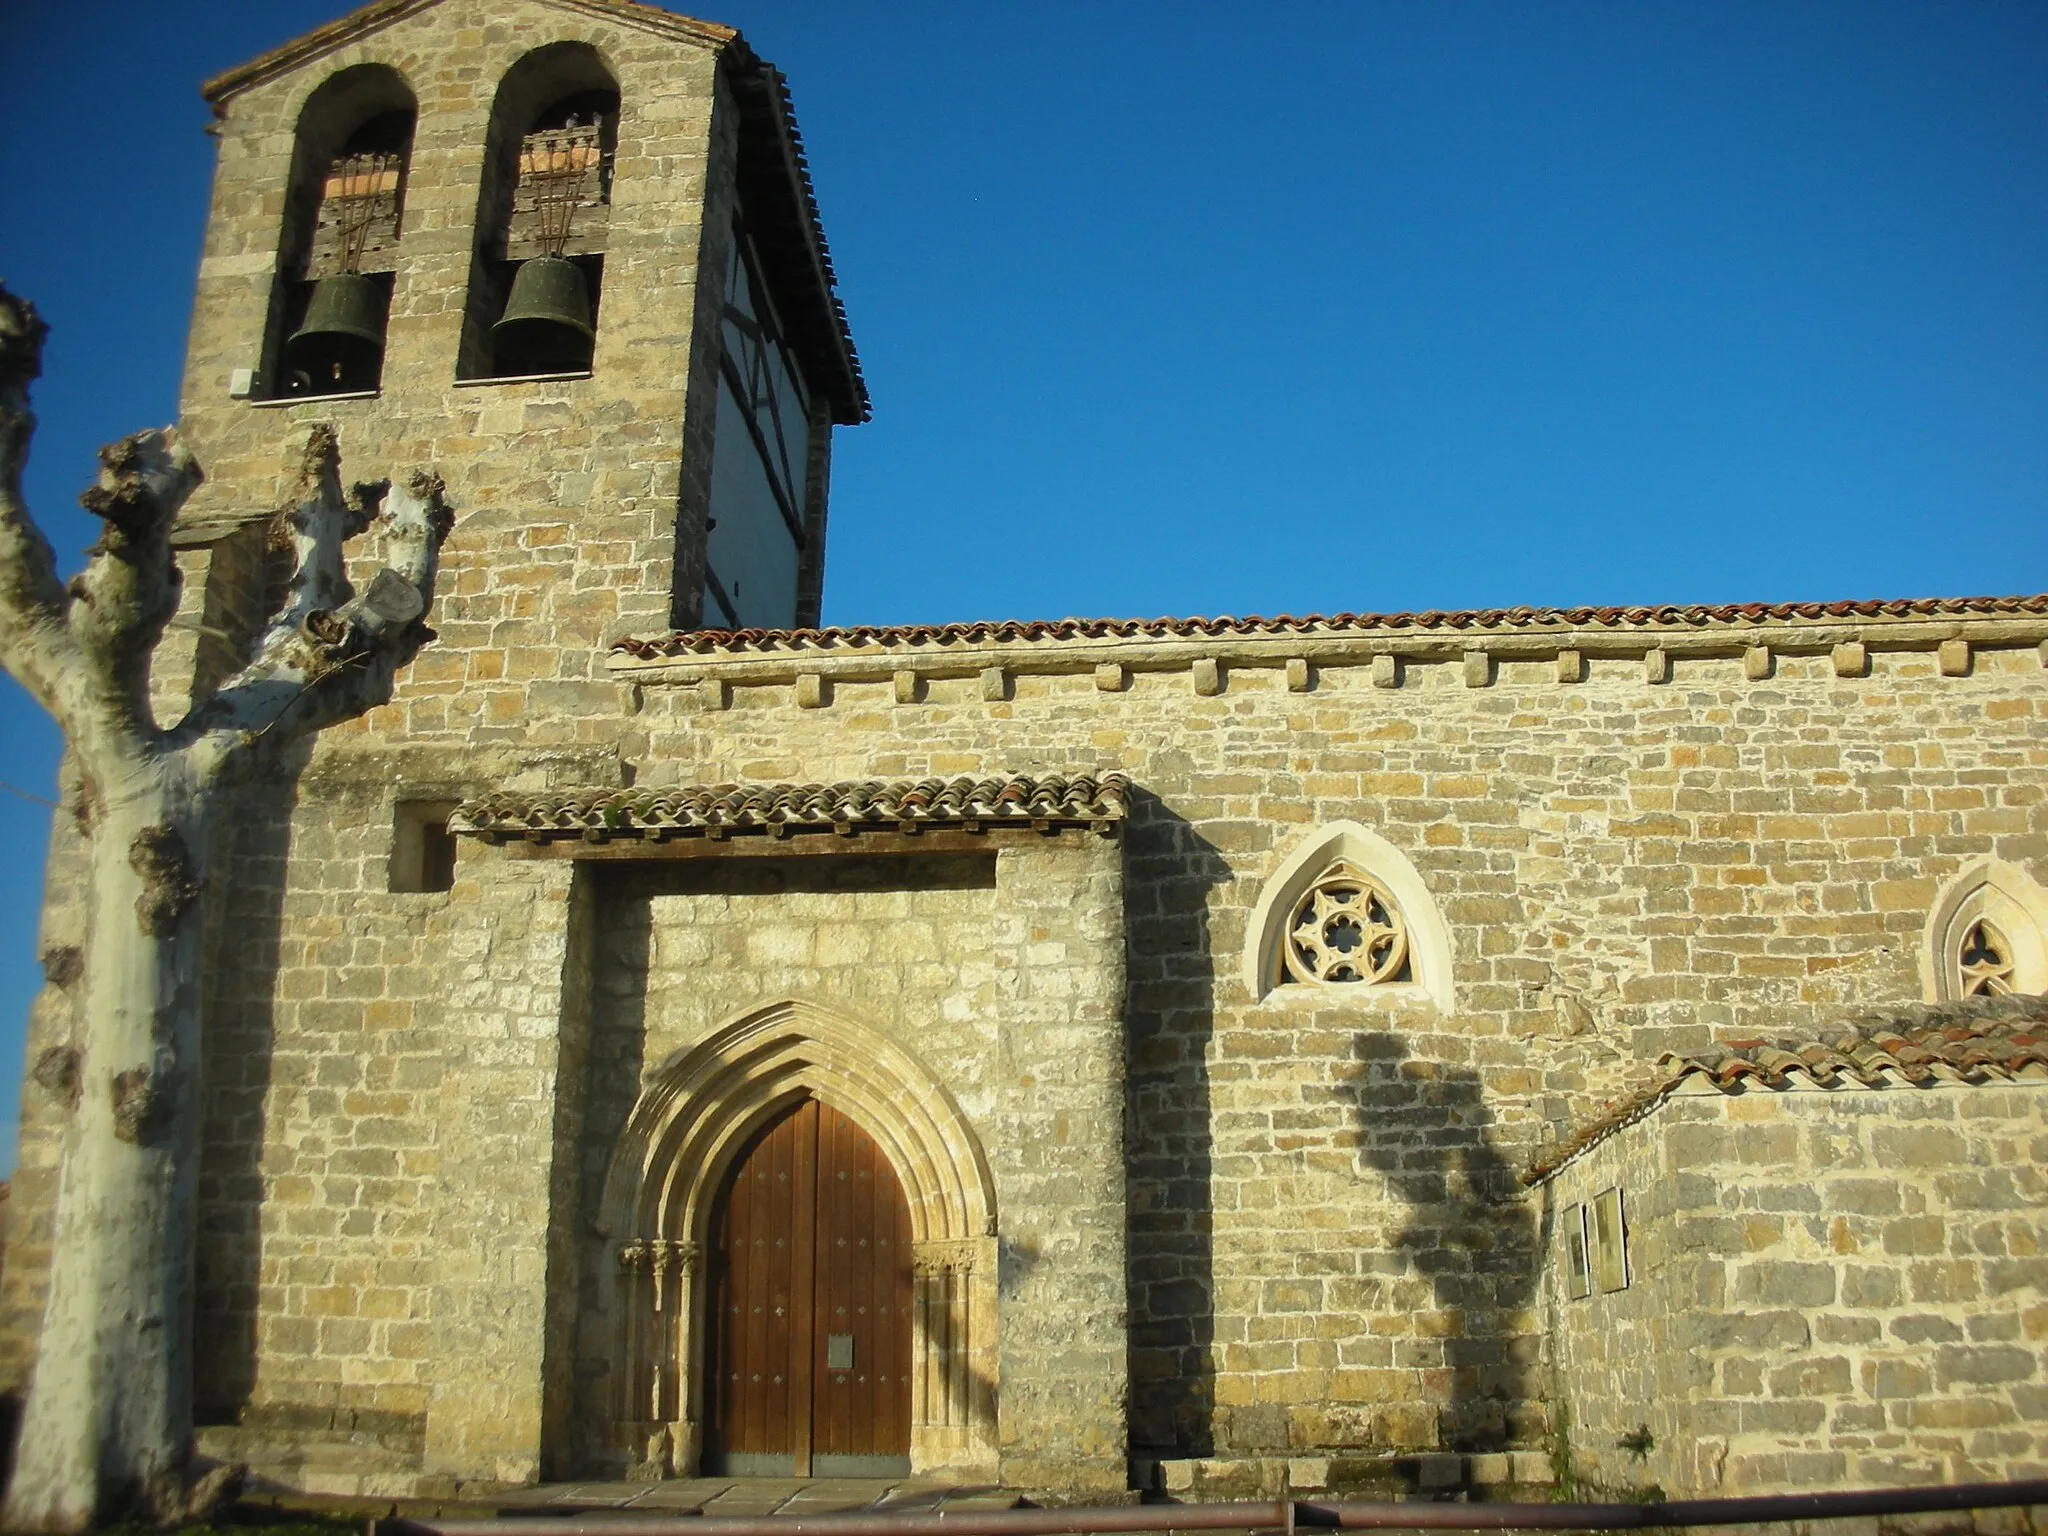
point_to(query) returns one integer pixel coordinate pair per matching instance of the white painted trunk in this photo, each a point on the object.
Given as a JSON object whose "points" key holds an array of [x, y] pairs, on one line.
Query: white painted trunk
{"points": [[108, 1423]]}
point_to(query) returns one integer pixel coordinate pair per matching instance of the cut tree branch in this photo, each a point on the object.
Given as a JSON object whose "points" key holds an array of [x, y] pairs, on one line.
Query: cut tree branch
{"points": [[128, 590], [330, 653], [33, 642]]}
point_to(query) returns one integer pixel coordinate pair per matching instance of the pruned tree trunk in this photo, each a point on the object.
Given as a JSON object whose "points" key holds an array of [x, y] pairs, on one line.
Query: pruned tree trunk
{"points": [[108, 1422], [113, 1376]]}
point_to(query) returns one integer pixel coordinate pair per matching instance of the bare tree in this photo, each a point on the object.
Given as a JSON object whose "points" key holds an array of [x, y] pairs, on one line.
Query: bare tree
{"points": [[108, 1422]]}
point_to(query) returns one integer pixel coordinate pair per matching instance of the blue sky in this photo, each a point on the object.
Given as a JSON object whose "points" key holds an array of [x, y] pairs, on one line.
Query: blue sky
{"points": [[1196, 308]]}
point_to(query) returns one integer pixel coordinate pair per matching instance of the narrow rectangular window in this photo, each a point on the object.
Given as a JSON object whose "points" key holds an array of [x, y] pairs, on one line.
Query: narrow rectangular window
{"points": [[422, 849]]}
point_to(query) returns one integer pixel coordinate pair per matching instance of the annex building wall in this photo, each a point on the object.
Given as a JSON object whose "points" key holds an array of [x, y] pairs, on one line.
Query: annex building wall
{"points": [[1834, 1264]]}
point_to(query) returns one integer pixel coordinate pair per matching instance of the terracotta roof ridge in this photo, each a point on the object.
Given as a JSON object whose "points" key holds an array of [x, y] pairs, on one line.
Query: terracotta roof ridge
{"points": [[680, 642], [382, 13]]}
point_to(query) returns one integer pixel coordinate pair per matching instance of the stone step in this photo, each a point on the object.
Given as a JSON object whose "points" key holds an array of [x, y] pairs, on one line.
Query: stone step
{"points": [[1351, 1474]]}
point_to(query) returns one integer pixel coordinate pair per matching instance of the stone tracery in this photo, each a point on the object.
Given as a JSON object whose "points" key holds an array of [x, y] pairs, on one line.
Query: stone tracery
{"points": [[1985, 963], [1346, 927]]}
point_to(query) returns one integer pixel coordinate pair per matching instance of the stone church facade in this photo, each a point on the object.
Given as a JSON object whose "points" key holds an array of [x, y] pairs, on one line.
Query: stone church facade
{"points": [[1207, 1056]]}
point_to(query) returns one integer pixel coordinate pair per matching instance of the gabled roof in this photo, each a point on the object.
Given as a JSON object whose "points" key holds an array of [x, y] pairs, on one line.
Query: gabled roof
{"points": [[1978, 1040], [774, 175], [379, 14], [1053, 800]]}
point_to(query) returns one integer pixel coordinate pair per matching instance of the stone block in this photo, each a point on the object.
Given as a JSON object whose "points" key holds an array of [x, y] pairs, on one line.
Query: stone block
{"points": [[1308, 1474], [1438, 1470], [1489, 1470], [1963, 1365], [1785, 1283]]}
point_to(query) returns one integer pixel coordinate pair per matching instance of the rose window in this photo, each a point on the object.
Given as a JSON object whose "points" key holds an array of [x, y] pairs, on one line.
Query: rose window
{"points": [[1985, 962], [1346, 928]]}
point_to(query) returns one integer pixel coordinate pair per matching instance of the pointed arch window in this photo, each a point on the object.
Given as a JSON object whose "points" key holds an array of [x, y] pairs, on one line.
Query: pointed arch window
{"points": [[1347, 914], [1987, 935]]}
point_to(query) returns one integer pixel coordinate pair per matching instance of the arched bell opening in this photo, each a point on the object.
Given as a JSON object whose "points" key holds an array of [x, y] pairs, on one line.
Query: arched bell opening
{"points": [[701, 1120], [543, 216], [339, 246]]}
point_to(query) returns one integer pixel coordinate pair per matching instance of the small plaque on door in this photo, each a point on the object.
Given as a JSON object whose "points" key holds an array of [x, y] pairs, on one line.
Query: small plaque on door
{"points": [[838, 1351]]}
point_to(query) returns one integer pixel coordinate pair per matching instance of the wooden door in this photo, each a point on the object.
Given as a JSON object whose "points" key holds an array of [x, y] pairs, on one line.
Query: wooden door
{"points": [[809, 1347]]}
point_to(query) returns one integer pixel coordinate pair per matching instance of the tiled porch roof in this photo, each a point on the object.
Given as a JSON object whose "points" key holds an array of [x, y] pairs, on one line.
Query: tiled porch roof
{"points": [[864, 804]]}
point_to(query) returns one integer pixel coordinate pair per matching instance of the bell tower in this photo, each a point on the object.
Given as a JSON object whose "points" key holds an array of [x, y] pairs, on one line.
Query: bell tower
{"points": [[566, 255]]}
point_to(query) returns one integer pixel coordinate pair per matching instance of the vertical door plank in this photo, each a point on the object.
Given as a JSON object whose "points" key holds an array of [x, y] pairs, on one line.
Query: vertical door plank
{"points": [[902, 1293], [800, 1346], [752, 1288]]}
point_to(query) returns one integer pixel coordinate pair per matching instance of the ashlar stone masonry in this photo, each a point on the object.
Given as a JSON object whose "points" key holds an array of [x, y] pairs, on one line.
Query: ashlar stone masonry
{"points": [[1236, 1007]]}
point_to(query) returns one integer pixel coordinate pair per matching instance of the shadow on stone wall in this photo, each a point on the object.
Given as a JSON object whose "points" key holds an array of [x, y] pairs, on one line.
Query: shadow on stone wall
{"points": [[1169, 871], [1425, 1127], [623, 957], [239, 1022]]}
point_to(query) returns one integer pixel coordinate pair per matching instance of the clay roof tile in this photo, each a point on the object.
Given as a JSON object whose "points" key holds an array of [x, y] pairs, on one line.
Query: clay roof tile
{"points": [[704, 642], [1066, 800]]}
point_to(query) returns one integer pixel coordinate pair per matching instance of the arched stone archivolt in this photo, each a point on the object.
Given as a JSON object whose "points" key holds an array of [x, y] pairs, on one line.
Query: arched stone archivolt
{"points": [[1347, 914], [693, 1120], [1987, 934]]}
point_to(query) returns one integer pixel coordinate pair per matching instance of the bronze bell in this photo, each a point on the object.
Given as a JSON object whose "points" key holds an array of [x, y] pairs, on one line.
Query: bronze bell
{"points": [[546, 324], [347, 304], [339, 349]]}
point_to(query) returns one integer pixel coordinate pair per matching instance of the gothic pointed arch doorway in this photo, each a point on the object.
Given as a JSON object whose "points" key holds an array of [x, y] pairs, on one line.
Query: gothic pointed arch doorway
{"points": [[702, 1115], [810, 1292]]}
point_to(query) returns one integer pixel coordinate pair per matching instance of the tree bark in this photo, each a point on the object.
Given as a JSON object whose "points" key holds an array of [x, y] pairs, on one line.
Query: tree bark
{"points": [[111, 1402], [108, 1423]]}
